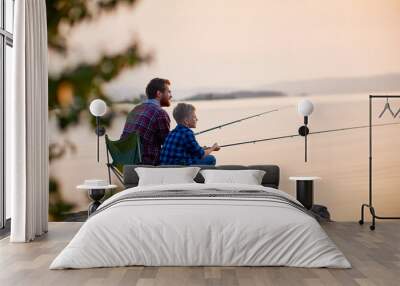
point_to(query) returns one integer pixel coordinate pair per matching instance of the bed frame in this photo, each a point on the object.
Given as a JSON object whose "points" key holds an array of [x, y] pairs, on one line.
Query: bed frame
{"points": [[270, 179]]}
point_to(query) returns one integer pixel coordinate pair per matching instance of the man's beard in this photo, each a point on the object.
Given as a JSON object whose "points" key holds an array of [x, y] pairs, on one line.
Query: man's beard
{"points": [[165, 102]]}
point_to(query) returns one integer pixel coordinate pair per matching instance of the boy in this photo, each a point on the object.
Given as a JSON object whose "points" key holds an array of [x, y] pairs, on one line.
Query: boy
{"points": [[180, 147]]}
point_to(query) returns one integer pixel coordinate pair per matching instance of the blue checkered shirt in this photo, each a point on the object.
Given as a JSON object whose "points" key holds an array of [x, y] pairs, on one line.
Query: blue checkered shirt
{"points": [[180, 147]]}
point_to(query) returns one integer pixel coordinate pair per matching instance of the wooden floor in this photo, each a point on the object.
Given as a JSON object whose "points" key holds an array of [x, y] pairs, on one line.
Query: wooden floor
{"points": [[375, 257]]}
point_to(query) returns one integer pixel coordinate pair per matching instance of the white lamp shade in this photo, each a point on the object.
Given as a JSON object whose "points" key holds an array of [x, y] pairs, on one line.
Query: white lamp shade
{"points": [[305, 107], [98, 107]]}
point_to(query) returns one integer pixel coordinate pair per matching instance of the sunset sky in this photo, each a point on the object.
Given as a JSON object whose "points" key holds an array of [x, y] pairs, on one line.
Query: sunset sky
{"points": [[216, 45]]}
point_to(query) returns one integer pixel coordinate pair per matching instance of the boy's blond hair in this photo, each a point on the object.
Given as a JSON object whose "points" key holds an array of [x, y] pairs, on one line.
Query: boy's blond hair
{"points": [[182, 111]]}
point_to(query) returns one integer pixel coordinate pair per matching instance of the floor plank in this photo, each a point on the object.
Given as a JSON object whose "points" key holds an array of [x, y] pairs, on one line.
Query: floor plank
{"points": [[375, 257]]}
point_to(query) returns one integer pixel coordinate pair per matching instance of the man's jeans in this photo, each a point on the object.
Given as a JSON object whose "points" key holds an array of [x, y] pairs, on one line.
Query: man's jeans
{"points": [[207, 160]]}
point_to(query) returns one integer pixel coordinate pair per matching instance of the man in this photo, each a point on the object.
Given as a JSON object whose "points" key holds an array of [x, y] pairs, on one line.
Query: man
{"points": [[180, 147], [150, 121]]}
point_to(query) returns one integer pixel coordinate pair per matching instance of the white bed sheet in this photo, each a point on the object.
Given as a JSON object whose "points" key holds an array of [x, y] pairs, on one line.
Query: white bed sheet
{"points": [[200, 231]]}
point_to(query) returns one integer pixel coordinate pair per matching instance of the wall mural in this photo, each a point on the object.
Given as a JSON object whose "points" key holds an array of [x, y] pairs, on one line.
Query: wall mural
{"points": [[251, 59]]}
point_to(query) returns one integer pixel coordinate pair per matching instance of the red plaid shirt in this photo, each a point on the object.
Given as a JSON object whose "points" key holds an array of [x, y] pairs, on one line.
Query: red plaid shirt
{"points": [[152, 124]]}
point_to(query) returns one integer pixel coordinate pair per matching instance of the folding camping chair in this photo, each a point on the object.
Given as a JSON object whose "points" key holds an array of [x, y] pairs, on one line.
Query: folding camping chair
{"points": [[125, 151]]}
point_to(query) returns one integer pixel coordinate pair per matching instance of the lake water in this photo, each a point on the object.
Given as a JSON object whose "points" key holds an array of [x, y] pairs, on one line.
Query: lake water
{"points": [[339, 158]]}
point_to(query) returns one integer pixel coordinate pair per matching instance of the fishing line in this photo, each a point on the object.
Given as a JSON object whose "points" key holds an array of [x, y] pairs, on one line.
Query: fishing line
{"points": [[242, 119], [296, 135]]}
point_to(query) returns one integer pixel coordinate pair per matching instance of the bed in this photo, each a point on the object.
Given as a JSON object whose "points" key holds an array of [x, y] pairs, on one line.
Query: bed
{"points": [[199, 224]]}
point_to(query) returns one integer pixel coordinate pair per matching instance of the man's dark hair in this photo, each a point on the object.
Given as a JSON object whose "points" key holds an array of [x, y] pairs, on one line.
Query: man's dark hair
{"points": [[156, 84]]}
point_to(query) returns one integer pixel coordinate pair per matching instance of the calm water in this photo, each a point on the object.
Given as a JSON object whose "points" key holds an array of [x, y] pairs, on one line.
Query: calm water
{"points": [[339, 158]]}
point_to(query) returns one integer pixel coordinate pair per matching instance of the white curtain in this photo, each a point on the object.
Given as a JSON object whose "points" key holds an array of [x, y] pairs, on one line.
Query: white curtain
{"points": [[26, 116]]}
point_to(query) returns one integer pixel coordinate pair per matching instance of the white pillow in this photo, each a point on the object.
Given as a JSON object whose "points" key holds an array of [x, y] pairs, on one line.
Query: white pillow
{"points": [[248, 177], [165, 176]]}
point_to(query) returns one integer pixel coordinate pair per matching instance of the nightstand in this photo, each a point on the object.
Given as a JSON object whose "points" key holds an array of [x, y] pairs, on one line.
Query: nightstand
{"points": [[96, 192], [304, 190]]}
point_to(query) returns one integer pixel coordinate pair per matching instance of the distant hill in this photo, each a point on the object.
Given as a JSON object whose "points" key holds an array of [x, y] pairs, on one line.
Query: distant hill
{"points": [[319, 86], [234, 95], [335, 86], [339, 85]]}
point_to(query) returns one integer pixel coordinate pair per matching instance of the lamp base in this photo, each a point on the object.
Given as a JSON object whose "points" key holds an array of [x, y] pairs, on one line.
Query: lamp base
{"points": [[303, 130], [100, 131]]}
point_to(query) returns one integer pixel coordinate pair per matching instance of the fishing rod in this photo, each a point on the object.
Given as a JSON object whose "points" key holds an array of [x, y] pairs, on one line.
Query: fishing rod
{"points": [[240, 120], [296, 135]]}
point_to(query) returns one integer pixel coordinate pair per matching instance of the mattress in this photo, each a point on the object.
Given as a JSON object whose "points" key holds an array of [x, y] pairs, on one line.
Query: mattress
{"points": [[201, 225]]}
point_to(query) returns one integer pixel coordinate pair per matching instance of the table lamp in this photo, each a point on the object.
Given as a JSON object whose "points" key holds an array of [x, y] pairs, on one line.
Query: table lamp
{"points": [[98, 108], [305, 108]]}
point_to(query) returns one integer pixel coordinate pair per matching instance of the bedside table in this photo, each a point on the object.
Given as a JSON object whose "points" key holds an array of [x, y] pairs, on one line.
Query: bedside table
{"points": [[95, 193], [304, 190]]}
